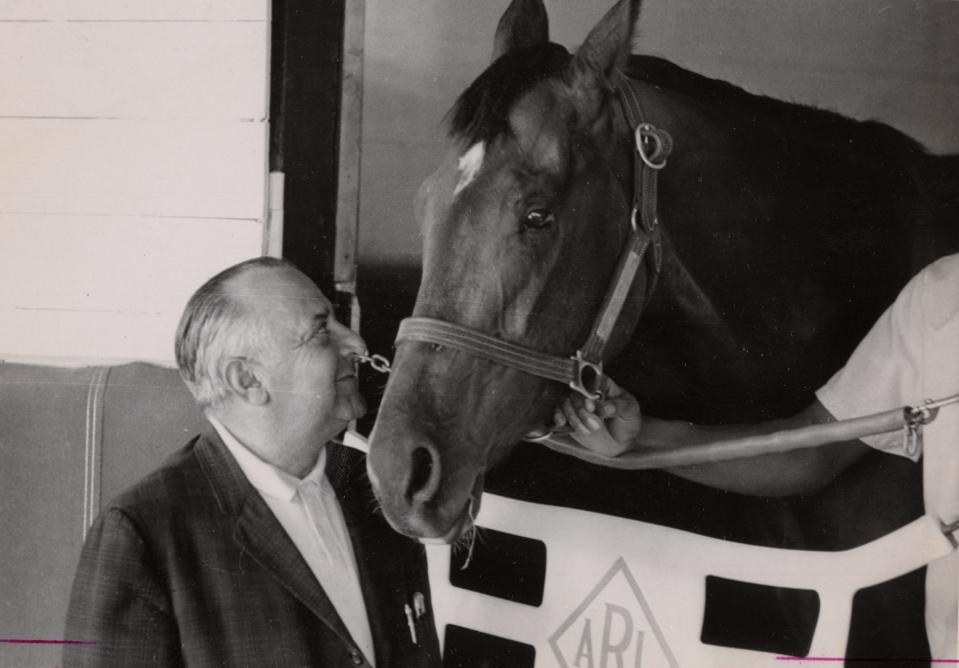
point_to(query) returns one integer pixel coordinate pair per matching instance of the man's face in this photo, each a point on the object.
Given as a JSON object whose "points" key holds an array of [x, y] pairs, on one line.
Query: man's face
{"points": [[309, 372]]}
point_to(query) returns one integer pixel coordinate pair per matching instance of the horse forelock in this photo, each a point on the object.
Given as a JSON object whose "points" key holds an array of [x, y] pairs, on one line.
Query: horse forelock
{"points": [[481, 113]]}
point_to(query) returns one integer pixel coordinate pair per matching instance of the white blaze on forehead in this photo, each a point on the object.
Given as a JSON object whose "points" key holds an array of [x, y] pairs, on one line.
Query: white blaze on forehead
{"points": [[469, 165]]}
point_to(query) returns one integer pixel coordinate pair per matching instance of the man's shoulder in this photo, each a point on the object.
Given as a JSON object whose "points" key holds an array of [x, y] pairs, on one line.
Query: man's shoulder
{"points": [[175, 483], [939, 283], [945, 266]]}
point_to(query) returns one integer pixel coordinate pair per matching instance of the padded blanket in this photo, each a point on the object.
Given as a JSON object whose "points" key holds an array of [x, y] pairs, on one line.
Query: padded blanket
{"points": [[70, 440]]}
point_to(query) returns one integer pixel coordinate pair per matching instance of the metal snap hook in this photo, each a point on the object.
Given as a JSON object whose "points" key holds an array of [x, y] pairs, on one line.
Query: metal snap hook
{"points": [[915, 418]]}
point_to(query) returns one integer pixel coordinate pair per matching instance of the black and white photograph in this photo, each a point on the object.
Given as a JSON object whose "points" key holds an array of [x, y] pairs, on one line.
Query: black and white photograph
{"points": [[479, 333]]}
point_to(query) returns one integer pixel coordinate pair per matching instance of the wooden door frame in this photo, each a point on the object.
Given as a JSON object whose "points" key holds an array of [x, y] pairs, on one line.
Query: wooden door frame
{"points": [[316, 88]]}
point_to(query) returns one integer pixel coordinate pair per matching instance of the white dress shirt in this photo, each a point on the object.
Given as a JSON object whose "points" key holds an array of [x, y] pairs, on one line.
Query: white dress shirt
{"points": [[310, 513]]}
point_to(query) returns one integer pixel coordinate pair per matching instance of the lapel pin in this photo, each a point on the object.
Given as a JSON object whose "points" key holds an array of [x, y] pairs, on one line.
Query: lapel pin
{"points": [[419, 604], [410, 623]]}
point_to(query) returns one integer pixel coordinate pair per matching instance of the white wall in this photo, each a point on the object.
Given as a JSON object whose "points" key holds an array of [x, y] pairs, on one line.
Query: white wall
{"points": [[893, 60], [133, 140]]}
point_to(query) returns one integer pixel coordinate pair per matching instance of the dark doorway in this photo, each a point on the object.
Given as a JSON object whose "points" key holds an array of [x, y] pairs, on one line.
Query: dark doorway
{"points": [[306, 77]]}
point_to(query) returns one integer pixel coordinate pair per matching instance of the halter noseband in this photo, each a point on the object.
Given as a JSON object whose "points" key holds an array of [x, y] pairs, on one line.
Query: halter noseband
{"points": [[582, 371]]}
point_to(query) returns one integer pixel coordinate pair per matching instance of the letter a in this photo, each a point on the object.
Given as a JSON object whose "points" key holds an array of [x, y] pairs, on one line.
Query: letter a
{"points": [[585, 646]]}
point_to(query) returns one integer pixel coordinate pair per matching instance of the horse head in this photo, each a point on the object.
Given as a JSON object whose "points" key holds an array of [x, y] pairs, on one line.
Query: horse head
{"points": [[523, 223]]}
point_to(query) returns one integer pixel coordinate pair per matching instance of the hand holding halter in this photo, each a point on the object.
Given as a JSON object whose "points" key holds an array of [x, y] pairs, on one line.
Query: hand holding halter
{"points": [[608, 426]]}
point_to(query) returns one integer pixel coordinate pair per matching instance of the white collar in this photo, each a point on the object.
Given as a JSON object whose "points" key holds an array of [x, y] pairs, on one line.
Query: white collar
{"points": [[263, 475]]}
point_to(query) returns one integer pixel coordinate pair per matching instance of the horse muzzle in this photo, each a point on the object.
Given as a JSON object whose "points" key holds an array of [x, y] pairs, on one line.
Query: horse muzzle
{"points": [[421, 493]]}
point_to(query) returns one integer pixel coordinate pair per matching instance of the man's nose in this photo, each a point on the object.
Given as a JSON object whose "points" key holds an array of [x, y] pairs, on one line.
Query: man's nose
{"points": [[350, 343]]}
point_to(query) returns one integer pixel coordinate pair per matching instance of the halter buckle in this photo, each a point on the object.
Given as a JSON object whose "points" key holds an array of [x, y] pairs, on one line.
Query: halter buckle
{"points": [[637, 221], [589, 378]]}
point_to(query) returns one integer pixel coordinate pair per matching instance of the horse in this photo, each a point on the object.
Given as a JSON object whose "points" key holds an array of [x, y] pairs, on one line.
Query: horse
{"points": [[785, 230]]}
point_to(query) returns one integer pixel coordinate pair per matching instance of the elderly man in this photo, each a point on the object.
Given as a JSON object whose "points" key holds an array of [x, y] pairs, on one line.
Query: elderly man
{"points": [[255, 544]]}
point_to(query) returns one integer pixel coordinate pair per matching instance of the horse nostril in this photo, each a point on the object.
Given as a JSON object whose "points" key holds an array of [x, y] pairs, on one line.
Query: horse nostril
{"points": [[423, 476]]}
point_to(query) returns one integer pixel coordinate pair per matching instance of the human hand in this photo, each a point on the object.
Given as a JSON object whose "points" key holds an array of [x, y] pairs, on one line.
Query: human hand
{"points": [[608, 427]]}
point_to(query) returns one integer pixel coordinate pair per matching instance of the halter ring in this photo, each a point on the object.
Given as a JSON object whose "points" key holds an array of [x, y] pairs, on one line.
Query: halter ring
{"points": [[589, 377], [646, 132]]}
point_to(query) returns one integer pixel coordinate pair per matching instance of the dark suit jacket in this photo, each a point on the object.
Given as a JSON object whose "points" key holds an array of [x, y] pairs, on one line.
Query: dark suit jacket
{"points": [[190, 567]]}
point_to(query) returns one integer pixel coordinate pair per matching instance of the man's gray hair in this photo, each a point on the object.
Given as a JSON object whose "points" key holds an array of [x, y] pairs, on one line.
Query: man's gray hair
{"points": [[214, 326]]}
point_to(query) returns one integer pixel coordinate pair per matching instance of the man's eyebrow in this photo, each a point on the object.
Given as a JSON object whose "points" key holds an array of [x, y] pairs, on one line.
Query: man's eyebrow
{"points": [[317, 322]]}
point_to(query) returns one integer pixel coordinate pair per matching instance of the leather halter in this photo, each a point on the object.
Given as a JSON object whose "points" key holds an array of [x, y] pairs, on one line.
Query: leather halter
{"points": [[582, 371]]}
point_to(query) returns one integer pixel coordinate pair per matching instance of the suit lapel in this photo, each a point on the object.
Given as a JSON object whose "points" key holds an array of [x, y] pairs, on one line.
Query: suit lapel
{"points": [[380, 561], [259, 533]]}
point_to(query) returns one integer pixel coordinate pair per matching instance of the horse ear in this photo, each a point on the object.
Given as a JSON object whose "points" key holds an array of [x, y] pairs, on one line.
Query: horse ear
{"points": [[609, 43], [524, 24]]}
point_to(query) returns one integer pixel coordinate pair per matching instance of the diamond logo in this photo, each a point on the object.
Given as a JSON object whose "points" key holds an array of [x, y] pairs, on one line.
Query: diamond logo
{"points": [[613, 627]]}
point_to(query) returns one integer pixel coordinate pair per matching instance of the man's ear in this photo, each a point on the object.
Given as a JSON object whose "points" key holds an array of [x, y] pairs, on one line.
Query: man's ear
{"points": [[244, 383]]}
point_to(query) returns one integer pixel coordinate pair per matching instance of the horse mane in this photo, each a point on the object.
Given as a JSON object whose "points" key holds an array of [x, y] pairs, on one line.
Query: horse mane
{"points": [[821, 125], [481, 112]]}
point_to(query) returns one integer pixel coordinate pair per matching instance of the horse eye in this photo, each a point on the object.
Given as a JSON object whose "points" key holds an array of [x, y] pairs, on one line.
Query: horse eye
{"points": [[537, 219]]}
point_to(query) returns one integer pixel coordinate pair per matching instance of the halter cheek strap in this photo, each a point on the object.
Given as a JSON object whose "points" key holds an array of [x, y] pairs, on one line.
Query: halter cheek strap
{"points": [[582, 371], [652, 147]]}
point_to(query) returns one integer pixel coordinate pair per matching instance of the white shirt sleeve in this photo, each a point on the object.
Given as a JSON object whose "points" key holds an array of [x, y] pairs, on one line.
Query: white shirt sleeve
{"points": [[885, 370]]}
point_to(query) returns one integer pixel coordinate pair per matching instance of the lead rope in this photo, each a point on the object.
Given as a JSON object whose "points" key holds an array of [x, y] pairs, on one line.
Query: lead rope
{"points": [[909, 419]]}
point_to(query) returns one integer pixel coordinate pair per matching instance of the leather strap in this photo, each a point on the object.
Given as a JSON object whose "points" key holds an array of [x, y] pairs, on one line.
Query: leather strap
{"points": [[583, 371], [652, 147], [440, 332]]}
